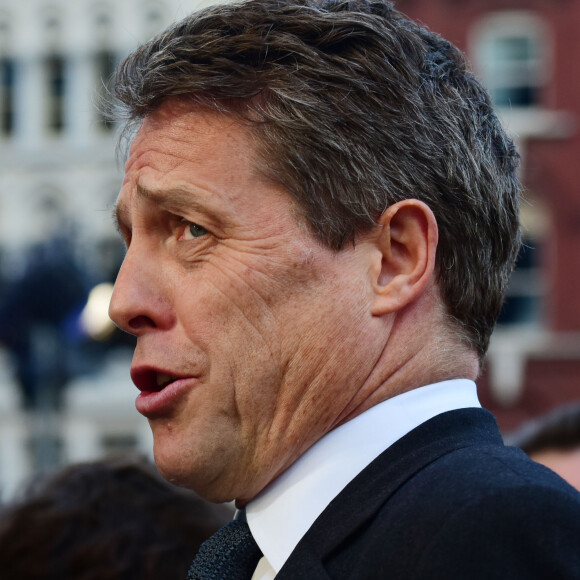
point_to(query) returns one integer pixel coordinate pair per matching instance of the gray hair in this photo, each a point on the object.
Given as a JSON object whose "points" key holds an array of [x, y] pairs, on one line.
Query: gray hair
{"points": [[355, 107]]}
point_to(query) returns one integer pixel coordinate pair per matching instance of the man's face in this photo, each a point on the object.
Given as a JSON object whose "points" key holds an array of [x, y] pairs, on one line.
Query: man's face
{"points": [[251, 336]]}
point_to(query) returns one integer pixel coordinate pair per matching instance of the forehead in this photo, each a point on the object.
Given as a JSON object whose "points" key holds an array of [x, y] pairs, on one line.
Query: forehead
{"points": [[178, 133], [208, 155]]}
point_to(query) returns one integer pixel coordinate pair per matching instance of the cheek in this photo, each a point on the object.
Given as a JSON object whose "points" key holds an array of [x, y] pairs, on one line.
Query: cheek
{"points": [[250, 286], [226, 315], [252, 310]]}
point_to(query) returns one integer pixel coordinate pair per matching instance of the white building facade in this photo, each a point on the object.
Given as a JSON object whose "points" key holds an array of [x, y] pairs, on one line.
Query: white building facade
{"points": [[59, 176]]}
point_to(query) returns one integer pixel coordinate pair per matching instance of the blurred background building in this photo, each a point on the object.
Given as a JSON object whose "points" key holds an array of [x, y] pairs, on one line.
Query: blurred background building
{"points": [[526, 52], [65, 392]]}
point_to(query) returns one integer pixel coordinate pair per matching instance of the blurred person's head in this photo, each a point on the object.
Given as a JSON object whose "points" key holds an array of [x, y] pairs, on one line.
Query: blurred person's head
{"points": [[554, 441], [106, 520]]}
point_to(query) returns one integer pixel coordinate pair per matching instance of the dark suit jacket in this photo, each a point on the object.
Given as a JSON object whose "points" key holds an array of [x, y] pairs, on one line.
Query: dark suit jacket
{"points": [[447, 501]]}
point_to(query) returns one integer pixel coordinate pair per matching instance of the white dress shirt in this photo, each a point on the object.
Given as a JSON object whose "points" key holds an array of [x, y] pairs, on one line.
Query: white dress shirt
{"points": [[304, 490]]}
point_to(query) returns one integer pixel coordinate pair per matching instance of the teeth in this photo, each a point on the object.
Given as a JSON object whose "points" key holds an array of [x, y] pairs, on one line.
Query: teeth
{"points": [[163, 380]]}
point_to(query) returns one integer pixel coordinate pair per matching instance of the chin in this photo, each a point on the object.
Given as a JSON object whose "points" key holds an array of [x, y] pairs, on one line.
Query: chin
{"points": [[189, 474]]}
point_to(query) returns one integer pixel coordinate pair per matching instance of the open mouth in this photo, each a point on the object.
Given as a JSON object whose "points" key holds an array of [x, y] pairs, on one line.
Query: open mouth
{"points": [[162, 380], [152, 381], [160, 391]]}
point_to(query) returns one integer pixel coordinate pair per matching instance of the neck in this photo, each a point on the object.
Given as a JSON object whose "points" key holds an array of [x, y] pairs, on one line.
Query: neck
{"points": [[415, 354]]}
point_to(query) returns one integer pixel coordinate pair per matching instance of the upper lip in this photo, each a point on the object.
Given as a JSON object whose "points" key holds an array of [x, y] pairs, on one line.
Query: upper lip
{"points": [[148, 378]]}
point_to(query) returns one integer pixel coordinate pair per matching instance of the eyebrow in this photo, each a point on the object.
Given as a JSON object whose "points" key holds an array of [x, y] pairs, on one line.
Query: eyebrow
{"points": [[177, 199]]}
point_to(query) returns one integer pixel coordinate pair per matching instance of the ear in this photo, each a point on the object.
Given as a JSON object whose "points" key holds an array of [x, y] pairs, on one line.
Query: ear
{"points": [[407, 241]]}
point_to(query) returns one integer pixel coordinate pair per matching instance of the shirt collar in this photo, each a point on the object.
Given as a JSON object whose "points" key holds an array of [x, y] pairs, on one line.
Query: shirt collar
{"points": [[300, 494]]}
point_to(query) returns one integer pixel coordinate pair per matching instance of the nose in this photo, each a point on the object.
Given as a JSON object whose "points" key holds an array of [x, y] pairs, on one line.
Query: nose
{"points": [[139, 303]]}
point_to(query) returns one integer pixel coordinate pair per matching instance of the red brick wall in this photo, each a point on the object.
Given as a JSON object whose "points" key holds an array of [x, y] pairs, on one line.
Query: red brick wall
{"points": [[553, 173]]}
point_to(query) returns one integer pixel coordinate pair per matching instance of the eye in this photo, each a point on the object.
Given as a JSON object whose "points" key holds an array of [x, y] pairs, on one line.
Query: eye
{"points": [[192, 230]]}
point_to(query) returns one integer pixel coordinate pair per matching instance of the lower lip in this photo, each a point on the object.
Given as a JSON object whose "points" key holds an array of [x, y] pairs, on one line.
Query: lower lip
{"points": [[158, 403]]}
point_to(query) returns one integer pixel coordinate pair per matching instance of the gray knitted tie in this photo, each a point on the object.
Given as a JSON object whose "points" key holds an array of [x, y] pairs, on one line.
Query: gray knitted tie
{"points": [[230, 554]]}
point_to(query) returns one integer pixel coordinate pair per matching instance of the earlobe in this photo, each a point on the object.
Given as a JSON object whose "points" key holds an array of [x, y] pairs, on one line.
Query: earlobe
{"points": [[407, 242]]}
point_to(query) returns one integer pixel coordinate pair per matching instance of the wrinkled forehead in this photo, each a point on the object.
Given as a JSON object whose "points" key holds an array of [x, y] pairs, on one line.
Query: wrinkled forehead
{"points": [[179, 130], [212, 147], [183, 119], [202, 154]]}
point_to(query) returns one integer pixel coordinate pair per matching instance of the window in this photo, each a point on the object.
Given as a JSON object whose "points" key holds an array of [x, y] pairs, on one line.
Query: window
{"points": [[512, 68], [510, 51], [103, 20], [524, 304], [7, 76], [155, 18], [105, 62], [54, 69], [104, 59], [523, 298], [5, 31], [101, 17]]}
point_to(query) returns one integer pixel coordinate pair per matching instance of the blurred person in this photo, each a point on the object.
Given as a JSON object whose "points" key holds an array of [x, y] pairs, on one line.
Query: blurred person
{"points": [[320, 209], [35, 310], [553, 440], [112, 519]]}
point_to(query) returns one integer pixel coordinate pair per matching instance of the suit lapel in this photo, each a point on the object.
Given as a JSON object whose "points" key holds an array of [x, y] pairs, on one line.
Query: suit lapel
{"points": [[371, 489]]}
